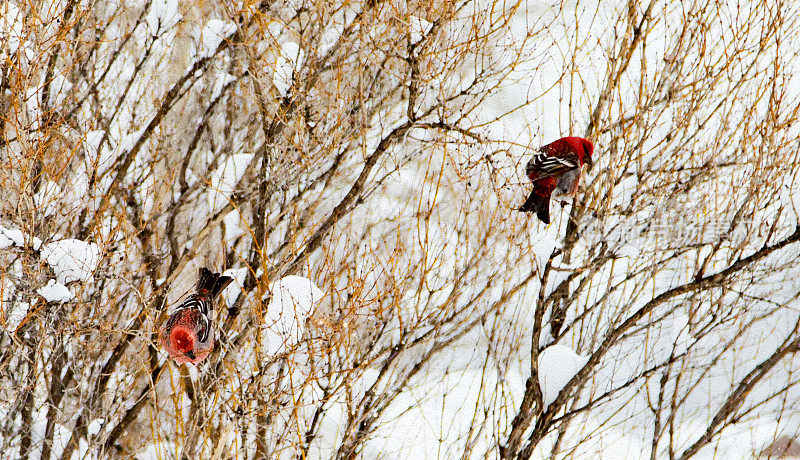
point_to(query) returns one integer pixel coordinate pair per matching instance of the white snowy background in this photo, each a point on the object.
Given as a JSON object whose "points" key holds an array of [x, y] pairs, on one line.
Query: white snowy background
{"points": [[356, 168]]}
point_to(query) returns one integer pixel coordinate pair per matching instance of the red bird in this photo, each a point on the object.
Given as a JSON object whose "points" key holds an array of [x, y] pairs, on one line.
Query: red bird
{"points": [[188, 334], [557, 168]]}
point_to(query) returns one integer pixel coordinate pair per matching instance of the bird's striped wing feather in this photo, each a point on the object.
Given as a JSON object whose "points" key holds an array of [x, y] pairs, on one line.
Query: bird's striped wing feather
{"points": [[202, 305], [549, 165], [205, 328]]}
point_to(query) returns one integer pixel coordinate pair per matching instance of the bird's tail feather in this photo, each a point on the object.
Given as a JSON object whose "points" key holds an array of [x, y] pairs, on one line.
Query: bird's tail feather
{"points": [[538, 204], [212, 282]]}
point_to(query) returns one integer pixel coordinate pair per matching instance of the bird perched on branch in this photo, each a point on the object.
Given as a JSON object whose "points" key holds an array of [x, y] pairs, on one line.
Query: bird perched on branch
{"points": [[557, 168], [188, 334]]}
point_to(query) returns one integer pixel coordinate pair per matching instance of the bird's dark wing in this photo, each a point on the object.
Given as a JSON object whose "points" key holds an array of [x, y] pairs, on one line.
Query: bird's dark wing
{"points": [[203, 303], [205, 328], [549, 165]]}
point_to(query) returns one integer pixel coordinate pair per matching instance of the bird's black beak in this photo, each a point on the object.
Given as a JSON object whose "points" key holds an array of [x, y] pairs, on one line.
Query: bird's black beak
{"points": [[191, 355]]}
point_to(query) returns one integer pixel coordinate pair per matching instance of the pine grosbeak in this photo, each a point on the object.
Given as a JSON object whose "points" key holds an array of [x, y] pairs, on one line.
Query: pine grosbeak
{"points": [[188, 334], [557, 168]]}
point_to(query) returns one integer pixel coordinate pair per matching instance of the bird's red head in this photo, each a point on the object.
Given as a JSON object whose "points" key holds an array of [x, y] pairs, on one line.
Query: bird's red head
{"points": [[588, 149], [581, 147], [182, 339]]}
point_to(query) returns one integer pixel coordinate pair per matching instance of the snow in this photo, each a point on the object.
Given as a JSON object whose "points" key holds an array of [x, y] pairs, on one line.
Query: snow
{"points": [[40, 415], [219, 84], [557, 365], [432, 423], [428, 419], [72, 260], [162, 15], [330, 37], [7, 290], [106, 156], [333, 31], [34, 106], [790, 196], [11, 24], [10, 237], [55, 292], [418, 28], [544, 240], [15, 316], [680, 332], [292, 300], [59, 89], [61, 437], [158, 450], [287, 63], [46, 199], [14, 237], [225, 178], [233, 227], [95, 426], [232, 291], [212, 35]]}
